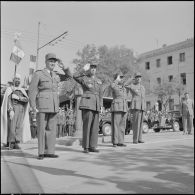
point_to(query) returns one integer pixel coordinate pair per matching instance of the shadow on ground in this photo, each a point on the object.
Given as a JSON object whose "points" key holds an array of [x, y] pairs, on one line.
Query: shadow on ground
{"points": [[137, 170]]}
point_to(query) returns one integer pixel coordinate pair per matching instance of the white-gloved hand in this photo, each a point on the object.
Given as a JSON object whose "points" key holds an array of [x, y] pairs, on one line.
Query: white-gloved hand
{"points": [[86, 67], [11, 114], [60, 64], [14, 96]]}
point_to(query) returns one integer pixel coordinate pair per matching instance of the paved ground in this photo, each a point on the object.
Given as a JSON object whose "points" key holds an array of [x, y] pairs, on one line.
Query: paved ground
{"points": [[163, 164]]}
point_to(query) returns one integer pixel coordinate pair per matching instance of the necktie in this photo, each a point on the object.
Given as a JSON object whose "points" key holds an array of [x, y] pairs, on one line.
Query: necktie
{"points": [[51, 74]]}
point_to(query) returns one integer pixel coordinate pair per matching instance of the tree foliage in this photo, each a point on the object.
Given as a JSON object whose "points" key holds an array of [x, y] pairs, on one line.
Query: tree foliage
{"points": [[110, 61], [165, 91]]}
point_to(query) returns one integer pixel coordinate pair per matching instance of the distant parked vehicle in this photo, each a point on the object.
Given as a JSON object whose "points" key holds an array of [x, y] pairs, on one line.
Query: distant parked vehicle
{"points": [[169, 120], [105, 124]]}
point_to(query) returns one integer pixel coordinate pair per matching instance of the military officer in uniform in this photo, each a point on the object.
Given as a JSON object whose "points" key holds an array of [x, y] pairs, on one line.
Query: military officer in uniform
{"points": [[91, 104], [138, 106], [44, 99], [187, 110], [119, 110]]}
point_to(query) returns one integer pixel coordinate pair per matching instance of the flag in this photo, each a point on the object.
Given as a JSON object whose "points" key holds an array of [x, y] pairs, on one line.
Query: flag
{"points": [[32, 64], [17, 53], [32, 68]]}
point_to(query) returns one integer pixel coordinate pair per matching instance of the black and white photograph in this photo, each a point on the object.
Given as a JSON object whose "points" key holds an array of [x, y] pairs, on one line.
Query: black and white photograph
{"points": [[97, 97]]}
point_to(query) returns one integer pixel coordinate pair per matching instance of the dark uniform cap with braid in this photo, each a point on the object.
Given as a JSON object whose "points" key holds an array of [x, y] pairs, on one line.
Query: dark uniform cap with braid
{"points": [[137, 74]]}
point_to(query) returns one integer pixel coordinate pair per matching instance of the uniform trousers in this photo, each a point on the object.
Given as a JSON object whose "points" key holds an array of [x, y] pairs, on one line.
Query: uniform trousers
{"points": [[46, 124], [15, 125], [137, 125], [187, 123], [118, 124], [90, 128]]}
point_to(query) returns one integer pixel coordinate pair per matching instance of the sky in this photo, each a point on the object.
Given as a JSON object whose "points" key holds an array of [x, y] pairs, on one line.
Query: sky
{"points": [[139, 25]]}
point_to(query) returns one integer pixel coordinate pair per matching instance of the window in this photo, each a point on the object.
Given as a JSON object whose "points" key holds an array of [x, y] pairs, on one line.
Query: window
{"points": [[158, 80], [171, 104], [158, 63], [147, 65], [148, 105], [170, 78], [183, 78], [182, 57], [169, 60]]}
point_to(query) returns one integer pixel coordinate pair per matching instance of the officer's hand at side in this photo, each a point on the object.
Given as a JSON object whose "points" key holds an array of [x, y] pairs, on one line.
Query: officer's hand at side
{"points": [[101, 110], [14, 96], [34, 110], [11, 114], [86, 67]]}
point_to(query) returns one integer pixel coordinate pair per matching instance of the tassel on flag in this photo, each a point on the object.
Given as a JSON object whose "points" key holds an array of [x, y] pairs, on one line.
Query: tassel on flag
{"points": [[17, 53]]}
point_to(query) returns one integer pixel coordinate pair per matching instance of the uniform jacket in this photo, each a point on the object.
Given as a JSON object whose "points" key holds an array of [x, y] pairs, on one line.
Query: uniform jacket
{"points": [[187, 107], [92, 91], [138, 97], [119, 102], [43, 91]]}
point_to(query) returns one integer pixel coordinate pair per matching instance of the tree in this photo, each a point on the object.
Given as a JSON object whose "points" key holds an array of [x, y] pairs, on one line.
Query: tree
{"points": [[179, 87], [164, 92], [88, 53]]}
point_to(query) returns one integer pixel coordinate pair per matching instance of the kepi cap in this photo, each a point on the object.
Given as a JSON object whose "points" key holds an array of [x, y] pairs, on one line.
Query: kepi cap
{"points": [[18, 76], [186, 92], [51, 56], [137, 74], [93, 63]]}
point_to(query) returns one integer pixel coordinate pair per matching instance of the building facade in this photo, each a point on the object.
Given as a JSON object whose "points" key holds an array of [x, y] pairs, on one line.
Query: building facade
{"points": [[173, 63]]}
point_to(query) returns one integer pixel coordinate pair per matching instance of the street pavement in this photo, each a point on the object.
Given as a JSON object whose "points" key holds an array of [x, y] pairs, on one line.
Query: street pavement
{"points": [[163, 164]]}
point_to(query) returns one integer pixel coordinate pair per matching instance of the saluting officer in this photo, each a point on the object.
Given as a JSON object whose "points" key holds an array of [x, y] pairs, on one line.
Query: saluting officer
{"points": [[44, 99], [118, 110], [138, 106], [91, 104]]}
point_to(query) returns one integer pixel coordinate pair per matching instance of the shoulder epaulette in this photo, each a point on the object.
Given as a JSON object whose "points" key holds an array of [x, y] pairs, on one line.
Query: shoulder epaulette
{"points": [[38, 70]]}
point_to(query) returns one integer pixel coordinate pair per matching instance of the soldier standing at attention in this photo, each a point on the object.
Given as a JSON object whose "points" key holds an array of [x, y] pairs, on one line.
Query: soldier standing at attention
{"points": [[44, 99], [91, 104], [187, 110], [118, 109], [138, 106]]}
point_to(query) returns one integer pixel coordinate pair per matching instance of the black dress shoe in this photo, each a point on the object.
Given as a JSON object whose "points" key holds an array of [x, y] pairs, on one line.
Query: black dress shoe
{"points": [[141, 141], [93, 150], [11, 146], [135, 142], [51, 156], [115, 145], [123, 145], [86, 150], [16, 146], [40, 157]]}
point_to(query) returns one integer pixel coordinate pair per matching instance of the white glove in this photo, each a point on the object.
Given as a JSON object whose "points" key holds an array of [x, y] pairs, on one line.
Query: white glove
{"points": [[11, 114], [101, 110], [86, 67], [14, 96], [34, 110], [60, 64]]}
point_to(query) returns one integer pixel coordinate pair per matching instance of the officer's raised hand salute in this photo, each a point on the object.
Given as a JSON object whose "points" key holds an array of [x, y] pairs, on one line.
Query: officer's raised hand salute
{"points": [[44, 99], [118, 110], [91, 104]]}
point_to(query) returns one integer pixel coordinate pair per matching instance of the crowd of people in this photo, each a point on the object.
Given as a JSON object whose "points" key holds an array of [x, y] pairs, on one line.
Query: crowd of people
{"points": [[49, 121]]}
